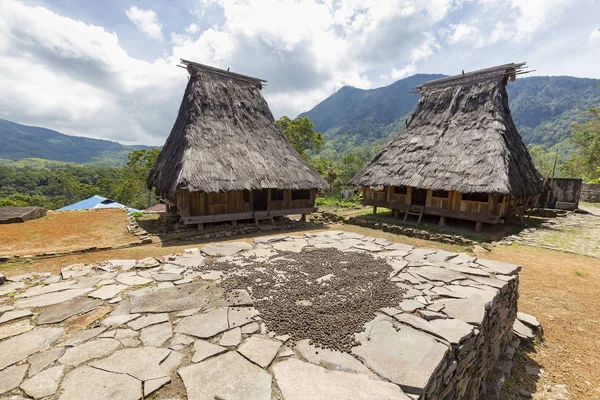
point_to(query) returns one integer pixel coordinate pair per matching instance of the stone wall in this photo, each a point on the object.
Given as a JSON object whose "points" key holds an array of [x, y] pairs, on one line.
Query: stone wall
{"points": [[473, 363], [590, 192]]}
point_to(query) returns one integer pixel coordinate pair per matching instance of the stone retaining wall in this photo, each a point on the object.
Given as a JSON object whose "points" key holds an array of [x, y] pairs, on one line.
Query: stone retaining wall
{"points": [[590, 192], [473, 363]]}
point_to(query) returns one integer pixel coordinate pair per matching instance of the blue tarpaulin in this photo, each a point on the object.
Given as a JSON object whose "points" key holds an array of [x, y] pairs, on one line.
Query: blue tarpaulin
{"points": [[95, 202]]}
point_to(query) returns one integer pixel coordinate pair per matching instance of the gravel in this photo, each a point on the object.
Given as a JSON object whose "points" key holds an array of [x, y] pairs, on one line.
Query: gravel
{"points": [[293, 300]]}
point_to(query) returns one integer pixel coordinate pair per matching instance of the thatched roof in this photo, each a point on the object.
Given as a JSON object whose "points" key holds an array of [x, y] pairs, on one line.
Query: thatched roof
{"points": [[460, 137], [225, 138]]}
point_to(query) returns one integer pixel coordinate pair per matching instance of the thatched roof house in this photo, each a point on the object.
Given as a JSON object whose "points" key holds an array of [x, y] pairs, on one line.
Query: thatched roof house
{"points": [[461, 139], [225, 140]]}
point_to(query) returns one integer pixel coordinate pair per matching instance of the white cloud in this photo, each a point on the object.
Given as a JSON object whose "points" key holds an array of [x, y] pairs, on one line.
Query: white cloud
{"points": [[146, 21], [192, 28], [464, 33], [534, 15], [595, 35]]}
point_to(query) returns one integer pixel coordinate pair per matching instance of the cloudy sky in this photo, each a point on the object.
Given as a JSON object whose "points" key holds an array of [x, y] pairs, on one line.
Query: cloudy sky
{"points": [[107, 68]]}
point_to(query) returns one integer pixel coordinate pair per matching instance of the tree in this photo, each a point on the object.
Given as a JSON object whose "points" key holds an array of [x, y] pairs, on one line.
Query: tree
{"points": [[587, 138], [130, 187], [300, 132], [541, 159]]}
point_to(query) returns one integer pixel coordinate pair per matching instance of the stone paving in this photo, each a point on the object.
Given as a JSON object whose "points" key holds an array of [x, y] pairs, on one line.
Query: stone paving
{"points": [[575, 233], [165, 328]]}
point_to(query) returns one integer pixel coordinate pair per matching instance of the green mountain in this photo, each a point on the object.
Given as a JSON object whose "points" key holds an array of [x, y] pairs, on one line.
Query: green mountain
{"points": [[23, 142], [543, 108]]}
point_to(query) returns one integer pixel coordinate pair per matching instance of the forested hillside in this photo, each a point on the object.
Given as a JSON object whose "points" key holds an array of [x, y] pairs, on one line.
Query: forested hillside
{"points": [[544, 110], [21, 141]]}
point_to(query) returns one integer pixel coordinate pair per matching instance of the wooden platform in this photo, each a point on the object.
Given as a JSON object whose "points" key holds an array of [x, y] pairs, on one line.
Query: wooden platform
{"points": [[11, 215], [245, 215]]}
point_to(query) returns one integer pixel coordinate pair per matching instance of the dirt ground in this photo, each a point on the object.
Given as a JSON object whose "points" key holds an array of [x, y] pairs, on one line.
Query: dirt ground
{"points": [[65, 231], [562, 290]]}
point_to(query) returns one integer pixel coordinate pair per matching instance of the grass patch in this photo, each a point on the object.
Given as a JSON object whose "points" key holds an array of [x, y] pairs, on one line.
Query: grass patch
{"points": [[580, 273]]}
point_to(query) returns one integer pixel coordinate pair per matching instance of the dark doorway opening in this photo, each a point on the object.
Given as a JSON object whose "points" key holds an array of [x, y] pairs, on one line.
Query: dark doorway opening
{"points": [[418, 197], [260, 200]]}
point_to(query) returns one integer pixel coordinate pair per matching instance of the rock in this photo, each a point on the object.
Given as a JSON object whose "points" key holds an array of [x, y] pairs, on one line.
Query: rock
{"points": [[43, 289], [82, 336], [500, 267], [451, 330], [204, 325], [43, 384], [108, 291], [522, 331], [299, 380], [260, 350], [183, 297], [156, 335], [332, 360], [441, 256], [147, 320], [528, 320], [406, 357], [39, 361], [225, 249], [7, 288], [18, 348], [148, 262], [2, 279], [471, 311], [10, 378], [119, 319], [231, 337], [143, 363], [250, 328], [153, 385], [15, 328], [240, 316], [204, 349], [187, 313], [132, 279], [400, 247], [87, 351], [94, 384], [437, 274], [165, 277], [76, 270], [410, 305], [228, 376], [67, 309], [50, 298], [194, 260]]}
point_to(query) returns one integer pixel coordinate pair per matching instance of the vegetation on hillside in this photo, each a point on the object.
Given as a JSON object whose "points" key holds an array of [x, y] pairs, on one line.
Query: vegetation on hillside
{"points": [[21, 141]]}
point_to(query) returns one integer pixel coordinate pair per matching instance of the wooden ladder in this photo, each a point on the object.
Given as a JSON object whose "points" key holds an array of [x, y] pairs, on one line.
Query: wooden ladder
{"points": [[419, 214], [268, 216]]}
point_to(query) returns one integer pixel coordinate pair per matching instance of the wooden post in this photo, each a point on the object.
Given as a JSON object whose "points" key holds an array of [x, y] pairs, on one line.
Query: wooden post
{"points": [[374, 210], [396, 213], [478, 227], [200, 227], [303, 218], [234, 222], [442, 221]]}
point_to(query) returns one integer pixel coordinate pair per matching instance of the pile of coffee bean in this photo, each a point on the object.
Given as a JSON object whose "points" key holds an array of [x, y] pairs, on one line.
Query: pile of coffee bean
{"points": [[323, 294]]}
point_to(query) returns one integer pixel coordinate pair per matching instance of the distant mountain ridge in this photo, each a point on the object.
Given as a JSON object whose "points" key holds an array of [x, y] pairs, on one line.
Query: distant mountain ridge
{"points": [[22, 141], [543, 108]]}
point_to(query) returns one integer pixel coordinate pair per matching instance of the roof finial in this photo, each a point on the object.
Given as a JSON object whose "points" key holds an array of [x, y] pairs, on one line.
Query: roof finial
{"points": [[229, 67], [463, 71]]}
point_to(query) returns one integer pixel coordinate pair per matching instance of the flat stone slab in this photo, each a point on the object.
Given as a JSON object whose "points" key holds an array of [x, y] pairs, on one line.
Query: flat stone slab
{"points": [[204, 349], [132, 279], [500, 267], [144, 363], [11, 287], [87, 351], [240, 316], [471, 310], [39, 361], [147, 320], [156, 335], [153, 385], [18, 348], [193, 260], [228, 376], [182, 297], [60, 312], [204, 325], [49, 299], [528, 320], [225, 249], [231, 338], [45, 383], [11, 378], [260, 350], [43, 289], [449, 329], [82, 336], [330, 359], [437, 274], [15, 328], [299, 380], [522, 331], [406, 357], [108, 291], [14, 315], [94, 384], [75, 270], [166, 277], [119, 319]]}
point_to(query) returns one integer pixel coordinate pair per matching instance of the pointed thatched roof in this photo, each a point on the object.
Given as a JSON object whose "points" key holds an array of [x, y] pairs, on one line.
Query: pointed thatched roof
{"points": [[225, 138], [460, 137]]}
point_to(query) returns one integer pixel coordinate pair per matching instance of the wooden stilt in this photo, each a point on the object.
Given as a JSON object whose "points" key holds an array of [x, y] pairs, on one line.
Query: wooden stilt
{"points": [[396, 213], [374, 210], [442, 221], [303, 218], [234, 222], [200, 227], [478, 227]]}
